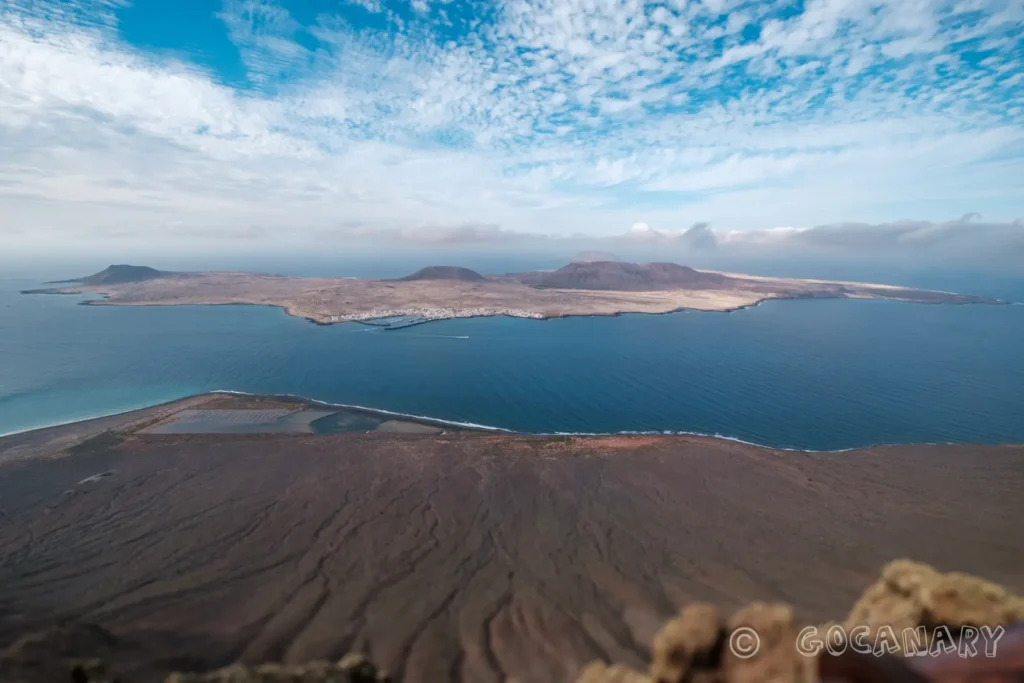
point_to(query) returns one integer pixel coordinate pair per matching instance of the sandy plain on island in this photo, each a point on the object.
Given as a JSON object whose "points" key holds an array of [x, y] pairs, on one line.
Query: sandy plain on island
{"points": [[331, 300]]}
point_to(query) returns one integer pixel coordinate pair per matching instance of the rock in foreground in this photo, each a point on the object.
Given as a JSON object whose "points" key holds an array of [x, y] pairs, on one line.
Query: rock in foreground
{"points": [[701, 645]]}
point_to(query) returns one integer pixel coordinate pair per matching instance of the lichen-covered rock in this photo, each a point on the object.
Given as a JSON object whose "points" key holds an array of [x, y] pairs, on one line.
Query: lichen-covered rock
{"points": [[360, 668], [909, 594], [908, 577], [599, 672], [894, 600], [353, 668], [90, 671], [695, 646], [771, 657], [962, 600], [689, 648], [883, 605]]}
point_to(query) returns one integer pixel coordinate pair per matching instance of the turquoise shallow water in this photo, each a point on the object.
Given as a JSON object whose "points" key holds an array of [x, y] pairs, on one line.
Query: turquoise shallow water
{"points": [[797, 374]]}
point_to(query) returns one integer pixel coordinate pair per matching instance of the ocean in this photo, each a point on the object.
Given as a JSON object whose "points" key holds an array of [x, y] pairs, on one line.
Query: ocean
{"points": [[808, 374]]}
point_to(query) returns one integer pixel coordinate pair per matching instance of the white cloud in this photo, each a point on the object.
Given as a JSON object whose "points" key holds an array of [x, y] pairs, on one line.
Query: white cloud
{"points": [[264, 32], [967, 237], [372, 6], [430, 234], [565, 115]]}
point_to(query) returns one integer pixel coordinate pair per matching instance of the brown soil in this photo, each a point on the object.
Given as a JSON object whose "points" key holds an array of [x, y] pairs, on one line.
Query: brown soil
{"points": [[461, 557]]}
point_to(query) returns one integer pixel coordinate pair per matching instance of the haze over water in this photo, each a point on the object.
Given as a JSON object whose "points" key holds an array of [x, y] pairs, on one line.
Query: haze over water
{"points": [[796, 374]]}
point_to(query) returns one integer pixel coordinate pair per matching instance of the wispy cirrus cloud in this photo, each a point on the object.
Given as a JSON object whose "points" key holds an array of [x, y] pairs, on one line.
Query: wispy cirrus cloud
{"points": [[545, 116], [373, 6], [969, 235], [265, 34]]}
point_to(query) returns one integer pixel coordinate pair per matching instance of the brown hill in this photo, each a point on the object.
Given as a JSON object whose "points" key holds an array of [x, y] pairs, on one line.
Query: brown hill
{"points": [[445, 273], [623, 276], [122, 273]]}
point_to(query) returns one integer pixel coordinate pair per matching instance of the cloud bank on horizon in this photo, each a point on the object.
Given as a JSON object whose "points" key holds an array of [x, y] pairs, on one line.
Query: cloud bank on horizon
{"points": [[863, 123], [968, 236]]}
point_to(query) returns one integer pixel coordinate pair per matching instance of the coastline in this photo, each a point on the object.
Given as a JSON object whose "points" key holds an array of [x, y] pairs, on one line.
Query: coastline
{"points": [[415, 300], [103, 300], [427, 316], [458, 315], [492, 429]]}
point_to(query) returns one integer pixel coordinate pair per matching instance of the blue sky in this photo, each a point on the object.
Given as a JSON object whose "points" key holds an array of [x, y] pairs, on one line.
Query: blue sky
{"points": [[437, 120]]}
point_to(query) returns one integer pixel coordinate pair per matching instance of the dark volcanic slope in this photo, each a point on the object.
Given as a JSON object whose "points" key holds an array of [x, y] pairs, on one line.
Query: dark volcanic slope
{"points": [[621, 276], [446, 273], [467, 557], [119, 274]]}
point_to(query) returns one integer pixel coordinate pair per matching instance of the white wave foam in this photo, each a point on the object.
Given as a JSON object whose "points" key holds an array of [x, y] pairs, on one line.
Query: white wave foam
{"points": [[431, 336], [492, 428], [666, 432]]}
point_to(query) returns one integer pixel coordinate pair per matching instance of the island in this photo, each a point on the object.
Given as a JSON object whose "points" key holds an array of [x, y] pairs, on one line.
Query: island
{"points": [[593, 288]]}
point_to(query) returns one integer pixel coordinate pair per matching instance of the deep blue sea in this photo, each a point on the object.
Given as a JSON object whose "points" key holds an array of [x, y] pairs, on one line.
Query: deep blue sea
{"points": [[809, 374]]}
